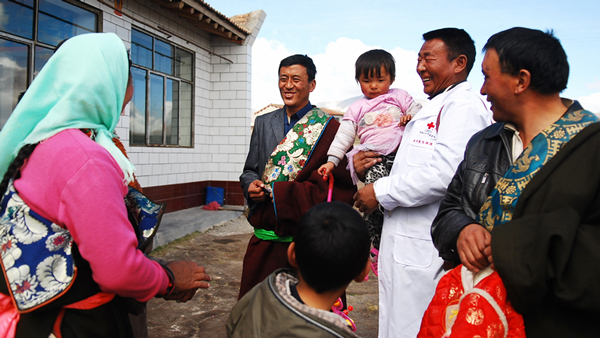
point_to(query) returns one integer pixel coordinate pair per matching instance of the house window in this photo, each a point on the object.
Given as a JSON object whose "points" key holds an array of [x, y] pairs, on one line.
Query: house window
{"points": [[29, 33], [161, 109]]}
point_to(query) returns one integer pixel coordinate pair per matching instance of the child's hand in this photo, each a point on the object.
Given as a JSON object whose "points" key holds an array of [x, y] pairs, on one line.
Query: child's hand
{"points": [[404, 120], [326, 169]]}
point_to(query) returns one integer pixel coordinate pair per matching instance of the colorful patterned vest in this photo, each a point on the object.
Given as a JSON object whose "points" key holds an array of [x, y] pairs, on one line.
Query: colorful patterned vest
{"points": [[500, 205], [36, 253]]}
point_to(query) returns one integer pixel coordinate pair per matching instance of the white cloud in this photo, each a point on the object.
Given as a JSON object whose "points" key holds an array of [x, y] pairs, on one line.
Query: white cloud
{"points": [[335, 72], [591, 102], [594, 85], [266, 55], [12, 82]]}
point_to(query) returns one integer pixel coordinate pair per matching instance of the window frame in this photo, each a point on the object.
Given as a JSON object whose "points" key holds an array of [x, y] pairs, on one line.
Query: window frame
{"points": [[33, 43], [165, 76]]}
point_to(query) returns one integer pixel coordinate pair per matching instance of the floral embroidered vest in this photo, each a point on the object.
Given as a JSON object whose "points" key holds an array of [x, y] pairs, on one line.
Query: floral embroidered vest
{"points": [[292, 153], [36, 253]]}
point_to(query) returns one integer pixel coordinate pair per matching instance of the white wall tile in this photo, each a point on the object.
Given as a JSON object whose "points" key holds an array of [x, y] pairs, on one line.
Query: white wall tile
{"points": [[220, 140], [239, 103], [237, 158], [237, 85], [221, 86], [237, 140], [221, 102], [228, 95], [228, 77], [123, 33], [227, 149], [233, 176], [223, 50], [109, 27], [224, 104]]}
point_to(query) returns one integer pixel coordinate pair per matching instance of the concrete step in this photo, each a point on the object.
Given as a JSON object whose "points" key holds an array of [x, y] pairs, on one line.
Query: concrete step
{"points": [[177, 224]]}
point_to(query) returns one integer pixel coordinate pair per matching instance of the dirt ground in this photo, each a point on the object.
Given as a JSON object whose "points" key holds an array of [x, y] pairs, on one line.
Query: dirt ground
{"points": [[221, 250]]}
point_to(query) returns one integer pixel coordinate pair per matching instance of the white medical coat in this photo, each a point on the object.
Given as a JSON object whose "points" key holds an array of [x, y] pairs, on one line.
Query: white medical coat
{"points": [[409, 265]]}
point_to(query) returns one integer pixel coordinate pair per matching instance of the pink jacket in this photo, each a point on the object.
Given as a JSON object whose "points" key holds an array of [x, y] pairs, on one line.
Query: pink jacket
{"points": [[72, 181]]}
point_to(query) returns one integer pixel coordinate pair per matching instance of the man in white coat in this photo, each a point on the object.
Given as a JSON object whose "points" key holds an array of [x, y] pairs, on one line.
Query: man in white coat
{"points": [[431, 149]]}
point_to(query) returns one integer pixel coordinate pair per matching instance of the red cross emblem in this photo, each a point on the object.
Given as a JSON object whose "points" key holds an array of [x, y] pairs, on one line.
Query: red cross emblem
{"points": [[430, 125]]}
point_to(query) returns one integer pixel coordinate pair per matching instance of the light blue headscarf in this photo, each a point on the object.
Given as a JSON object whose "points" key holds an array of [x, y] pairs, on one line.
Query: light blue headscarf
{"points": [[82, 86]]}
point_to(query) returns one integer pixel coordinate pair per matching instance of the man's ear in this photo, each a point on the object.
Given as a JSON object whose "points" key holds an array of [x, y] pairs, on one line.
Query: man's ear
{"points": [[363, 275], [291, 253], [312, 85], [524, 80], [461, 64]]}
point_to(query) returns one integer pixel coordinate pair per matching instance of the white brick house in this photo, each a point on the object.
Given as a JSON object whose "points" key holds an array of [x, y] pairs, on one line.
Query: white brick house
{"points": [[187, 126]]}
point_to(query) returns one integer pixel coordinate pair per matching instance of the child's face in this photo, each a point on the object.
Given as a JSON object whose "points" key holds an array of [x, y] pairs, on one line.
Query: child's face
{"points": [[374, 85]]}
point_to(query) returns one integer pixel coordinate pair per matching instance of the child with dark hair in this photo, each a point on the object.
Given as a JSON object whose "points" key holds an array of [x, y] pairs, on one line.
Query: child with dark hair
{"points": [[378, 119], [330, 249]]}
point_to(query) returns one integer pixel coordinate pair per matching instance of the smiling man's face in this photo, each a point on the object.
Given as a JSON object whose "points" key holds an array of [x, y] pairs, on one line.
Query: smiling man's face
{"points": [[434, 68], [294, 87]]}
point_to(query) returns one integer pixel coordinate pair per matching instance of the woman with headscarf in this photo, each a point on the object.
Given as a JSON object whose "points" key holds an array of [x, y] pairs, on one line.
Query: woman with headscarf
{"points": [[69, 254]]}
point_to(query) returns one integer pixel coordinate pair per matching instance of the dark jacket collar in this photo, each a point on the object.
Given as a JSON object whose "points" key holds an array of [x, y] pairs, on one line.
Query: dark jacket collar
{"points": [[499, 128]]}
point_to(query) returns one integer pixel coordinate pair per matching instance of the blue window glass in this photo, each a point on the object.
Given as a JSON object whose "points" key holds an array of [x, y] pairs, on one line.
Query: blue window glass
{"points": [[163, 57], [138, 107], [41, 57], [56, 20], [141, 49], [13, 81], [183, 64], [17, 17], [59, 20], [169, 93], [172, 112], [156, 105], [185, 115]]}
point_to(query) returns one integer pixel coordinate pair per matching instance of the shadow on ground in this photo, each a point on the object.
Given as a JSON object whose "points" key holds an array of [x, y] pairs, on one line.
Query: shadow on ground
{"points": [[221, 250]]}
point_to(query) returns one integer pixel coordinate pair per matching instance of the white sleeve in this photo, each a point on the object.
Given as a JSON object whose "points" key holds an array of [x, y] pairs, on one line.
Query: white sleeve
{"points": [[427, 183], [344, 139], [414, 108]]}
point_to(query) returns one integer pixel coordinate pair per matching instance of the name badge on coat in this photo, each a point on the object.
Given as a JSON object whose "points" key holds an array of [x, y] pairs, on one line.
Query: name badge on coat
{"points": [[426, 135]]}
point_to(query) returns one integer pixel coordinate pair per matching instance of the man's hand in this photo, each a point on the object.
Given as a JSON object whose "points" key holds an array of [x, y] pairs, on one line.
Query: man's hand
{"points": [[472, 244], [365, 199], [364, 160], [488, 253], [188, 276], [256, 192]]}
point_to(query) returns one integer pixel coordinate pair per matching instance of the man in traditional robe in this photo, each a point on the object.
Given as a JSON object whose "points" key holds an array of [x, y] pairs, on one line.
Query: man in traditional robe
{"points": [[280, 179], [526, 197]]}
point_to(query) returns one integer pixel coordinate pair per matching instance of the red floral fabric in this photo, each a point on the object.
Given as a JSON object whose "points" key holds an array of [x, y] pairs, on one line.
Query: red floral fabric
{"points": [[461, 309]]}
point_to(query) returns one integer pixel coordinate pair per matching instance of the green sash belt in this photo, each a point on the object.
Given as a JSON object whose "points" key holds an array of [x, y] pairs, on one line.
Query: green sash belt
{"points": [[268, 235]]}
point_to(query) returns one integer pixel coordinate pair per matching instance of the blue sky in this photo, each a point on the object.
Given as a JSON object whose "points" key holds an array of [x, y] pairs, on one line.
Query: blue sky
{"points": [[334, 33]]}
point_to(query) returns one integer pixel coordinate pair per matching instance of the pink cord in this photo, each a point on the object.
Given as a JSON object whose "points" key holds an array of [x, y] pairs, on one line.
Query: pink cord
{"points": [[330, 187]]}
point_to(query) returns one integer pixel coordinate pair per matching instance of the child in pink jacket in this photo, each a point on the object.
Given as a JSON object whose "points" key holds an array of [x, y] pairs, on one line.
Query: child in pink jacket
{"points": [[378, 119]]}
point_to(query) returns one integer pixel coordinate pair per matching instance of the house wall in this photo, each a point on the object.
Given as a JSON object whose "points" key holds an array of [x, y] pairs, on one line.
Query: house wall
{"points": [[179, 176]]}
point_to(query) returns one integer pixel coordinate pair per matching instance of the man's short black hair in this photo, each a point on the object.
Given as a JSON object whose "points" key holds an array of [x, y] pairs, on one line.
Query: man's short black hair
{"points": [[457, 42], [303, 60], [332, 246], [370, 63], [538, 52]]}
